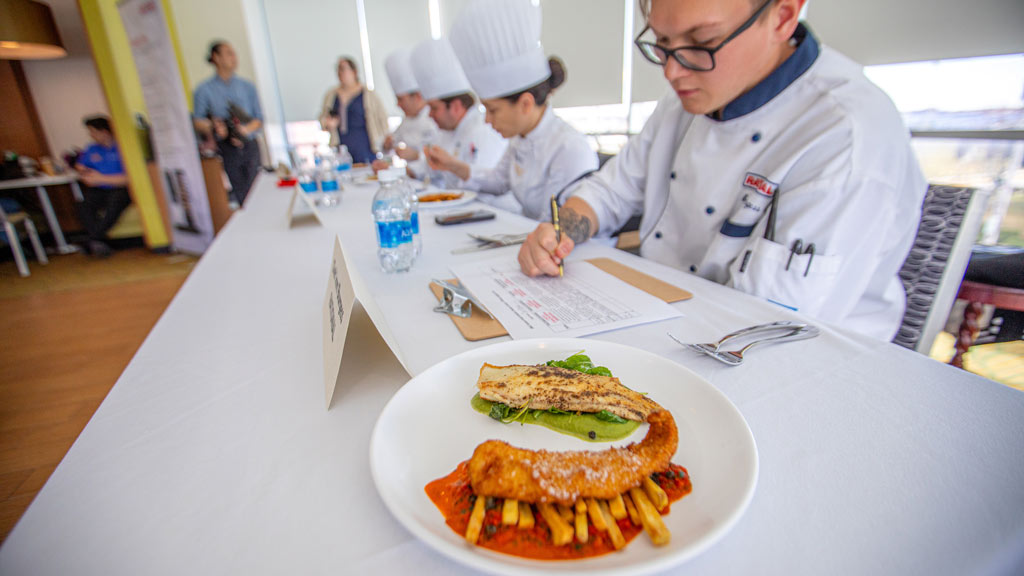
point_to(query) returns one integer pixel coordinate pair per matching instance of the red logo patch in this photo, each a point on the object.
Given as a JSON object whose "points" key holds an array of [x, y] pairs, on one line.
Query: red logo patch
{"points": [[760, 183]]}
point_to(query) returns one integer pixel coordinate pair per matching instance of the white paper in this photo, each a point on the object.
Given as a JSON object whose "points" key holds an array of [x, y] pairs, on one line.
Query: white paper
{"points": [[337, 307], [585, 301], [302, 209]]}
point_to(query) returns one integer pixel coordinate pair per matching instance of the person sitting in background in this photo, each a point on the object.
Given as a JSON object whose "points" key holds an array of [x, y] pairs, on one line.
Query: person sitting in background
{"points": [[353, 115], [228, 109], [417, 128], [105, 194]]}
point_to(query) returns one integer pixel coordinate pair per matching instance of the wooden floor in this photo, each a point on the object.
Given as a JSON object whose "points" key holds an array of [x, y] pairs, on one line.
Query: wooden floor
{"points": [[63, 344]]}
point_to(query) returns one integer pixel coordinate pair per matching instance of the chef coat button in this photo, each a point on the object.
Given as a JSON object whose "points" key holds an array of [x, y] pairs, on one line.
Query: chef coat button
{"points": [[693, 269], [710, 209], [672, 175], [657, 235], [756, 137]]}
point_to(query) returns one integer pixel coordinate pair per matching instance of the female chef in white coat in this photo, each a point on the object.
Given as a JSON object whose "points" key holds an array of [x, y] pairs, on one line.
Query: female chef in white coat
{"points": [[775, 167], [498, 44]]}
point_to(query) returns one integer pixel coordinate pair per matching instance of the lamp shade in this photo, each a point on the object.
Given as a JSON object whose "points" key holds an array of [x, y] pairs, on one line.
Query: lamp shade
{"points": [[28, 31]]}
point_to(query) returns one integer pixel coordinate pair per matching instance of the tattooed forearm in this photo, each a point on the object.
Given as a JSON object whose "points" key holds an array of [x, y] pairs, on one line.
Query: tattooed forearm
{"points": [[575, 225]]}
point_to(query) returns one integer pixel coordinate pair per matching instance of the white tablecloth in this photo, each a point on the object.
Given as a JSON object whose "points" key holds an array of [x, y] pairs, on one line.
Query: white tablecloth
{"points": [[213, 453]]}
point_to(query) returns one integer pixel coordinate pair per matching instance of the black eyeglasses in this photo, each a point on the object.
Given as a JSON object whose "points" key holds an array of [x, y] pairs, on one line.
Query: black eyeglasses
{"points": [[696, 58]]}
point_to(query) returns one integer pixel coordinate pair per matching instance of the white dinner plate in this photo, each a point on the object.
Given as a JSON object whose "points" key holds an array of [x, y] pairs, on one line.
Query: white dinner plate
{"points": [[467, 196], [428, 427]]}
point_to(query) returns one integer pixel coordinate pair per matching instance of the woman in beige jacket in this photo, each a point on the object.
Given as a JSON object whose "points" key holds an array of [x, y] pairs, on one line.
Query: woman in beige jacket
{"points": [[353, 115]]}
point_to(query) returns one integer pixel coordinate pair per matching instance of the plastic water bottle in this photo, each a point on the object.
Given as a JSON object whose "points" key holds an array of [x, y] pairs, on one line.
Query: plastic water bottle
{"points": [[329, 180], [307, 180], [414, 210], [394, 226], [344, 164]]}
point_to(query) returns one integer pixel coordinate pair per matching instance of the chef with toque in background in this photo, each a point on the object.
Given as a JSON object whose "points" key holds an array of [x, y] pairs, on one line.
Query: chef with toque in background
{"points": [[463, 133], [498, 44], [417, 128]]}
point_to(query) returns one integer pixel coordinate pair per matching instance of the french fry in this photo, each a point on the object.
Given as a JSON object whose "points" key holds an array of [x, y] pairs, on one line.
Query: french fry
{"points": [[617, 507], [476, 520], [582, 533], [561, 532], [649, 517], [655, 493], [596, 518], [566, 513], [631, 509], [510, 512], [613, 527], [525, 516]]}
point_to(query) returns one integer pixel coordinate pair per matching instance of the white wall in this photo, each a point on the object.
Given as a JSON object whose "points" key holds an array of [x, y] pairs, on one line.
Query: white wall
{"points": [[67, 89], [307, 37], [884, 32], [587, 36], [390, 26]]}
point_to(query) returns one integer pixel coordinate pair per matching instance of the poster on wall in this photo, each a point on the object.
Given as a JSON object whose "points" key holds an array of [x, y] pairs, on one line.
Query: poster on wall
{"points": [[174, 140]]}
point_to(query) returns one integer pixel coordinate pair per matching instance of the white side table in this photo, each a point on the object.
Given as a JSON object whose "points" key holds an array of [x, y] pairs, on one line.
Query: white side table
{"points": [[40, 183]]}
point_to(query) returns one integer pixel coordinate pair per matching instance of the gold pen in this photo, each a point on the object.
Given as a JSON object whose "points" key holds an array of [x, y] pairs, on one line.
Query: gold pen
{"points": [[558, 230]]}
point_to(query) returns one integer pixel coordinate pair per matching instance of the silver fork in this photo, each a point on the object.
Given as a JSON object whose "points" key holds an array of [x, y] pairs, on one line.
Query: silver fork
{"points": [[735, 357], [748, 331]]}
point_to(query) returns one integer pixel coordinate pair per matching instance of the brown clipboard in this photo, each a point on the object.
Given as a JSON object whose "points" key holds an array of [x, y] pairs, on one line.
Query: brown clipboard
{"points": [[480, 326]]}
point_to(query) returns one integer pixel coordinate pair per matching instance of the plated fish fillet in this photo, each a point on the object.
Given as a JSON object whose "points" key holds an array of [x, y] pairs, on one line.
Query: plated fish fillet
{"points": [[501, 470], [542, 387]]}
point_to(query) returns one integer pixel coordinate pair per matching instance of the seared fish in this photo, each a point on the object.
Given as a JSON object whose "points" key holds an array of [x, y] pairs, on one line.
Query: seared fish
{"points": [[541, 387]]}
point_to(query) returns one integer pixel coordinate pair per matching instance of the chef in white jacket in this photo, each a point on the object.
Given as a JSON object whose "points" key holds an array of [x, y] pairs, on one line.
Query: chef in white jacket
{"points": [[498, 44], [454, 109], [774, 167], [417, 129]]}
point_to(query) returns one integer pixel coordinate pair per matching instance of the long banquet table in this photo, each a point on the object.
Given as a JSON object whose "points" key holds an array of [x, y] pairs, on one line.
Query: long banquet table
{"points": [[214, 453]]}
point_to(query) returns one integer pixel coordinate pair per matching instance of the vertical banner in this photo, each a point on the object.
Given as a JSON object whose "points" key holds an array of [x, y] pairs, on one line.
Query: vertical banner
{"points": [[174, 140]]}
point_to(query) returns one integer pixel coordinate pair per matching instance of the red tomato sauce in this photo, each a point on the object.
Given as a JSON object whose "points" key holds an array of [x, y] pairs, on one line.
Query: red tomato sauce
{"points": [[454, 497]]}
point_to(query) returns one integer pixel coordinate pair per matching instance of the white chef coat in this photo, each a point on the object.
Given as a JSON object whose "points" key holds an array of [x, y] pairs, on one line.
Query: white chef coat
{"points": [[833, 148], [538, 165], [416, 131], [472, 142]]}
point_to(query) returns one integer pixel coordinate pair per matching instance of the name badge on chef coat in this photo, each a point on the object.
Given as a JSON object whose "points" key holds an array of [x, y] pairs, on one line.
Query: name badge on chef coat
{"points": [[751, 206]]}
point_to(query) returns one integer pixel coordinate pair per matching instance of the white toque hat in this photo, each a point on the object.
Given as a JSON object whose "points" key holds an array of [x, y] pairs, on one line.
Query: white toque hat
{"points": [[498, 44], [437, 70], [400, 72]]}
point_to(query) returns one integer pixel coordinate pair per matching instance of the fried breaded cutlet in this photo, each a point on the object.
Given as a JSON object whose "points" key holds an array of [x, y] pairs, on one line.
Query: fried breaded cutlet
{"points": [[501, 470]]}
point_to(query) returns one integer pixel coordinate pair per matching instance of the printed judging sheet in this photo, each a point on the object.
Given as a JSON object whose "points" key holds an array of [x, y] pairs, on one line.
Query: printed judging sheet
{"points": [[585, 301]]}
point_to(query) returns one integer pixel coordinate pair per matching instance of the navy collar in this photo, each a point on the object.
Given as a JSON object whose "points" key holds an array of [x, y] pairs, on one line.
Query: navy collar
{"points": [[780, 78]]}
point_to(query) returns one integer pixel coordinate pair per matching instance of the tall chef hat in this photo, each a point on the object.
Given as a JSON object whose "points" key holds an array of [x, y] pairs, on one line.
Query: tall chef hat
{"points": [[400, 72], [498, 44], [437, 70]]}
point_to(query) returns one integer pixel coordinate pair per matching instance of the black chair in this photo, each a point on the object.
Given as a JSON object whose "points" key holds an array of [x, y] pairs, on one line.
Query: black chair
{"points": [[932, 272]]}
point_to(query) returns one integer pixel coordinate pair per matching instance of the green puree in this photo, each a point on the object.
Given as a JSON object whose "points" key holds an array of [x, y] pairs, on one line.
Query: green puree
{"points": [[571, 423]]}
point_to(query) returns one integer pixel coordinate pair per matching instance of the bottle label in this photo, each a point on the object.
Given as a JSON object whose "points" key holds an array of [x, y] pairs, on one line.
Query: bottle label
{"points": [[329, 185], [394, 234], [415, 222], [344, 166], [309, 186]]}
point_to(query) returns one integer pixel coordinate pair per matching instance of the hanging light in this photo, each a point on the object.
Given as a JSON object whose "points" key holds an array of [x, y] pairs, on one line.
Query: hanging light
{"points": [[28, 31]]}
